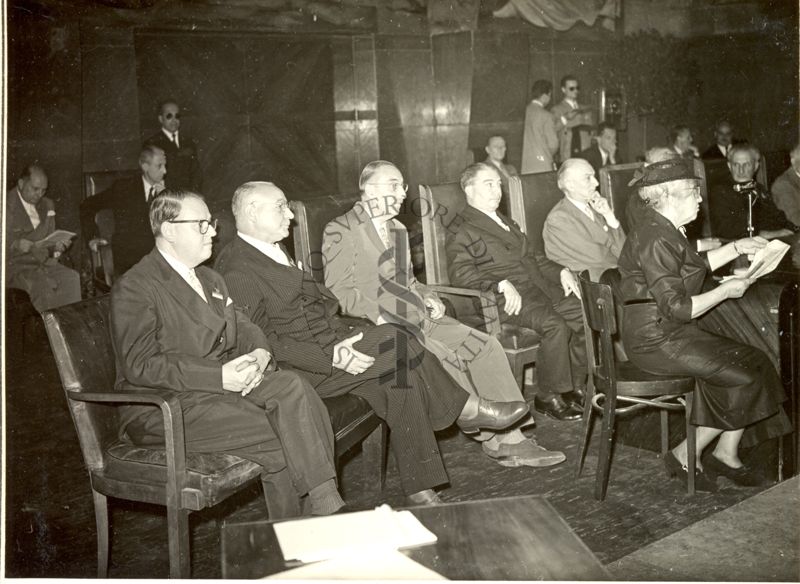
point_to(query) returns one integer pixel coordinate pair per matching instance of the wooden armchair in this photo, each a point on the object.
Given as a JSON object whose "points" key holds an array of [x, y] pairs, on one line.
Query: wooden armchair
{"points": [[530, 198], [102, 261], [310, 218], [183, 482], [439, 206]]}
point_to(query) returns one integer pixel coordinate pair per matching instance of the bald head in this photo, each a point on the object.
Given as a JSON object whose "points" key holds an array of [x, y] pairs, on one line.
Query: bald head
{"points": [[576, 179], [32, 183], [262, 211]]}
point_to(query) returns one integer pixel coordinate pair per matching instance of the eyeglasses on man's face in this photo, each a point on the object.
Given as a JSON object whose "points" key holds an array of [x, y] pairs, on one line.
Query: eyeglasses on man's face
{"points": [[573, 87], [170, 115], [395, 186], [202, 224]]}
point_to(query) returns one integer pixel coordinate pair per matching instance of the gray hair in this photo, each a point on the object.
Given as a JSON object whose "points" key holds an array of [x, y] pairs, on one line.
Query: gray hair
{"points": [[471, 172], [755, 155], [242, 195], [655, 195], [370, 170]]}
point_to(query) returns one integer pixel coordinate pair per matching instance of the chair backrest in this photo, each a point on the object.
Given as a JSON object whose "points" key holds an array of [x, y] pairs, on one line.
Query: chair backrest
{"points": [[615, 189], [310, 218], [530, 198], [81, 344], [99, 181], [439, 206], [599, 323]]}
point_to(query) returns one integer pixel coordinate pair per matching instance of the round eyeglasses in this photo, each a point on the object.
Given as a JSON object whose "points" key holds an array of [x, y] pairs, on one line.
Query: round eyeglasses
{"points": [[202, 224], [393, 185]]}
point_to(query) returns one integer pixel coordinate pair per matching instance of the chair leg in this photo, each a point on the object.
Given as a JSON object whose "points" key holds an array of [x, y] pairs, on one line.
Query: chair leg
{"points": [[178, 533], [691, 446], [373, 454], [606, 448], [101, 521], [588, 412], [664, 432]]}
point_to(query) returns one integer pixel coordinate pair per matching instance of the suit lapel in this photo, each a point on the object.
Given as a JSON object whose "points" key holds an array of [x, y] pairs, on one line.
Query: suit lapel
{"points": [[485, 223], [203, 312], [596, 226]]}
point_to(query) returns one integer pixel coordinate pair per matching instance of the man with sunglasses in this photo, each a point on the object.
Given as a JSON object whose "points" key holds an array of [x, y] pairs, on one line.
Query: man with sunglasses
{"points": [[183, 167], [366, 254], [573, 121], [128, 199], [723, 139], [175, 328]]}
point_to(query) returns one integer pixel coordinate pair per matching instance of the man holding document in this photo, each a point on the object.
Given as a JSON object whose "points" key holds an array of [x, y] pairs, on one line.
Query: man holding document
{"points": [[739, 394], [33, 245]]}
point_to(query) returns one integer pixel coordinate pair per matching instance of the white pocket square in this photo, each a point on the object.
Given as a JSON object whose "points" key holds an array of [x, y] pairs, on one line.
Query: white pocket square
{"points": [[51, 213], [229, 302]]}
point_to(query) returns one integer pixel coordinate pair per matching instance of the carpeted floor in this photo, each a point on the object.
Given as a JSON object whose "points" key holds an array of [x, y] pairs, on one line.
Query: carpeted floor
{"points": [[50, 520]]}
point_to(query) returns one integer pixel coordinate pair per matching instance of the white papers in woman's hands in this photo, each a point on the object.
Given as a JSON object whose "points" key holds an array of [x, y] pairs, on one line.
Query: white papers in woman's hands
{"points": [[765, 260], [322, 538]]}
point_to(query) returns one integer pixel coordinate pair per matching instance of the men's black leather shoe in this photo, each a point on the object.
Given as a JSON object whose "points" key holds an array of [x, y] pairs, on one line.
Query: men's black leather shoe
{"points": [[493, 415], [556, 408], [575, 397]]}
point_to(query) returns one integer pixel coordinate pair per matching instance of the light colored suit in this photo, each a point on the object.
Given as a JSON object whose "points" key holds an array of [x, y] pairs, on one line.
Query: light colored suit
{"points": [[374, 281], [786, 195], [540, 141], [575, 241], [48, 283], [565, 145]]}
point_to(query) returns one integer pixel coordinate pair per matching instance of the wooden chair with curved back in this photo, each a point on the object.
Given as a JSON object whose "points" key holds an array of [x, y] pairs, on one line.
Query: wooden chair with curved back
{"points": [[612, 382], [165, 475], [439, 206], [530, 199]]}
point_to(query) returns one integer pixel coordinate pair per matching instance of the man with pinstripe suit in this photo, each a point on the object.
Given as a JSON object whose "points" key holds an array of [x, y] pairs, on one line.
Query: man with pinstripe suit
{"points": [[405, 385]]}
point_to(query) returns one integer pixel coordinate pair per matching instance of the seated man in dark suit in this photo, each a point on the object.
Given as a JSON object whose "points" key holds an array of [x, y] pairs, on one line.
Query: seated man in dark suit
{"points": [[174, 327], [730, 201], [723, 138], [128, 198], [405, 385], [603, 150], [31, 264], [183, 167], [487, 251]]}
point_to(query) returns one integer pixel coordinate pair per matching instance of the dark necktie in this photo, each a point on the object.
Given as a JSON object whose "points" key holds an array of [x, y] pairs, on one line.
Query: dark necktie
{"points": [[151, 194]]}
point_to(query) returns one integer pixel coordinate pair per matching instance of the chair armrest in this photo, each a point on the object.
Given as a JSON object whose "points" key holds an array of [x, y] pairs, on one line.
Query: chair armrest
{"points": [[175, 445], [491, 316]]}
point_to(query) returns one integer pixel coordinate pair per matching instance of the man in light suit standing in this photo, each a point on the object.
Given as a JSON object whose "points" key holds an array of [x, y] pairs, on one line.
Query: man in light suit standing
{"points": [[540, 141], [174, 327], [581, 231], [786, 189], [368, 267], [573, 121]]}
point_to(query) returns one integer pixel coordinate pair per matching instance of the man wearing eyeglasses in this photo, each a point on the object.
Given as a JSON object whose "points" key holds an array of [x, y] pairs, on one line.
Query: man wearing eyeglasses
{"points": [[368, 267], [573, 121], [723, 139], [128, 199], [183, 167], [175, 328]]}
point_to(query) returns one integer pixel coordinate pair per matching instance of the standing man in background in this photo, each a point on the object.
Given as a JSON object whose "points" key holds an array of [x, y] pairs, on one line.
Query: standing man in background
{"points": [[572, 121], [723, 138], [540, 142], [496, 152], [183, 168]]}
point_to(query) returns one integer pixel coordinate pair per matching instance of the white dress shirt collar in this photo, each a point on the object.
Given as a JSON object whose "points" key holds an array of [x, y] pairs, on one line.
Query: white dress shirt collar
{"points": [[271, 250], [496, 218], [184, 272], [572, 102], [172, 136], [584, 207], [33, 213]]}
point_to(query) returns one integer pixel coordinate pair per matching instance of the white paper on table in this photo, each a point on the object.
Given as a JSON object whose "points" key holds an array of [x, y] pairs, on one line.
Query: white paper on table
{"points": [[322, 538], [379, 565], [765, 260]]}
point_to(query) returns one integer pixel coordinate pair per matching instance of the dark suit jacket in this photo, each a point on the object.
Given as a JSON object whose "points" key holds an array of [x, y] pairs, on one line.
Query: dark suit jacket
{"points": [[593, 156], [298, 314], [712, 153], [183, 167], [133, 237], [481, 254], [166, 336]]}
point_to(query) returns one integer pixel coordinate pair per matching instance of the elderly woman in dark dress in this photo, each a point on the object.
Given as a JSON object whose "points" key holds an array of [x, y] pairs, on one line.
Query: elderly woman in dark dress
{"points": [[662, 283]]}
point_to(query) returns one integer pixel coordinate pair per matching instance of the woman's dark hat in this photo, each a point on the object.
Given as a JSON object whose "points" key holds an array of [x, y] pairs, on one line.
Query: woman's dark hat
{"points": [[664, 171]]}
